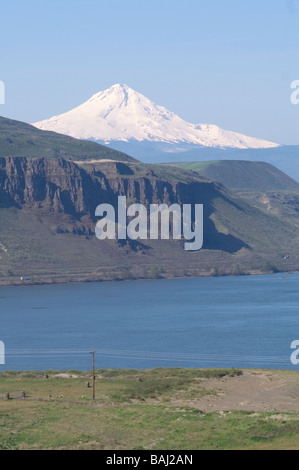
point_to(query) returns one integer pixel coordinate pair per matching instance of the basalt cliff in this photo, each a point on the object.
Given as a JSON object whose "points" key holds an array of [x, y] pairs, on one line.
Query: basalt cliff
{"points": [[47, 229]]}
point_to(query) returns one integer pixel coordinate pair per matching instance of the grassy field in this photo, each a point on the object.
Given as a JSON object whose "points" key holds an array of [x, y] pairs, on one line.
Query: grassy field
{"points": [[133, 409]]}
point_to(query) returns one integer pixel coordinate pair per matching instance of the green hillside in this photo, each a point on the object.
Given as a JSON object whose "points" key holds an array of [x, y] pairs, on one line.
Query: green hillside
{"points": [[238, 174], [18, 139]]}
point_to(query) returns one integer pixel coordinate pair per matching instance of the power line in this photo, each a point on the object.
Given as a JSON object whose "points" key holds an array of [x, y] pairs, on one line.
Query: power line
{"points": [[128, 354]]}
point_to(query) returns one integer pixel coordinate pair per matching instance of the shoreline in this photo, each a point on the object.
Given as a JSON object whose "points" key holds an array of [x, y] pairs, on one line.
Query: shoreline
{"points": [[76, 372], [79, 280]]}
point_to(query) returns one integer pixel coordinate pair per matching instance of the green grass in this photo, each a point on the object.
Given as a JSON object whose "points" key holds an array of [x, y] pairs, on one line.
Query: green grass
{"points": [[59, 413], [19, 139]]}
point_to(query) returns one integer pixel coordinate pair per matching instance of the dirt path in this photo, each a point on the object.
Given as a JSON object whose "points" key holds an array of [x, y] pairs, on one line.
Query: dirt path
{"points": [[252, 391]]}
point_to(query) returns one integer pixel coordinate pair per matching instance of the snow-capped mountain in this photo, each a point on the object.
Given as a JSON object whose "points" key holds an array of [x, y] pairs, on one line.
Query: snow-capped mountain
{"points": [[122, 114]]}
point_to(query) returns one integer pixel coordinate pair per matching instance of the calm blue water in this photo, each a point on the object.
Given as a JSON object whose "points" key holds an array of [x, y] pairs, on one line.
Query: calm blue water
{"points": [[247, 321]]}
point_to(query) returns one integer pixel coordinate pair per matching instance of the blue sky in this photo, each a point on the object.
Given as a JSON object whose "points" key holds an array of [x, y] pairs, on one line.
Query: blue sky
{"points": [[228, 62]]}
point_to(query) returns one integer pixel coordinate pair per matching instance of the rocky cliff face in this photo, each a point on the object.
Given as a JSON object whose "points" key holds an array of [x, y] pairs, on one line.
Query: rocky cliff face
{"points": [[47, 211], [70, 192], [52, 183], [62, 186]]}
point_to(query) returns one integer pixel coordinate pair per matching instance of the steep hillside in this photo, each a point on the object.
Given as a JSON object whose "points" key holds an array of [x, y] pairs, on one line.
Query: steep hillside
{"points": [[47, 224]]}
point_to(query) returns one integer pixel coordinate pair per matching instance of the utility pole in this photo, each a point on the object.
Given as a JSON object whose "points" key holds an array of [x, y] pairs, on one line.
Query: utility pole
{"points": [[93, 376]]}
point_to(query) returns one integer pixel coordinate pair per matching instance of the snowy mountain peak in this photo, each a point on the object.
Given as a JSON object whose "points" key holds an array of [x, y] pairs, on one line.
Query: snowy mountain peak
{"points": [[122, 114], [118, 90]]}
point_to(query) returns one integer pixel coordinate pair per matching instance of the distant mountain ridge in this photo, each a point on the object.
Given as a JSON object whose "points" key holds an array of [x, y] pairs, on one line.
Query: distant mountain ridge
{"points": [[285, 157], [238, 174], [122, 114]]}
